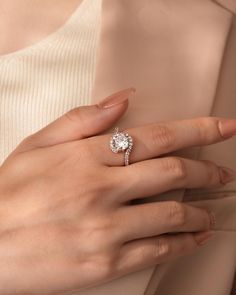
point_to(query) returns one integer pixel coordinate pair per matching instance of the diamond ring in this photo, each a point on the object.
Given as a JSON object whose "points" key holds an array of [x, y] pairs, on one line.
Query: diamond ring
{"points": [[121, 142]]}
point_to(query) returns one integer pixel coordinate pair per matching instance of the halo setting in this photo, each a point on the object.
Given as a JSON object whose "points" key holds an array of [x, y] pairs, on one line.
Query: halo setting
{"points": [[121, 142]]}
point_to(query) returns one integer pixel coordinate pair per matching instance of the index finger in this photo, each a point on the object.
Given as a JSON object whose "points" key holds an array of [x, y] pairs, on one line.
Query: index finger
{"points": [[153, 140]]}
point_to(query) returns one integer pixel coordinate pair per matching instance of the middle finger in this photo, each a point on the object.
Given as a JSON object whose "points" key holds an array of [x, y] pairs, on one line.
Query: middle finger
{"points": [[156, 176]]}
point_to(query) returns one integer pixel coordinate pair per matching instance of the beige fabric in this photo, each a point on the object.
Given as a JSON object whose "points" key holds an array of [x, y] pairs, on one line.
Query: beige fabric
{"points": [[180, 56], [41, 82]]}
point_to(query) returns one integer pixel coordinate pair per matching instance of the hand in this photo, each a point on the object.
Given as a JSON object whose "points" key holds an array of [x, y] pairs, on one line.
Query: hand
{"points": [[66, 221]]}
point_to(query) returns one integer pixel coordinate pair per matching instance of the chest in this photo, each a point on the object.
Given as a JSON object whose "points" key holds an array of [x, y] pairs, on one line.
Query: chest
{"points": [[21, 22]]}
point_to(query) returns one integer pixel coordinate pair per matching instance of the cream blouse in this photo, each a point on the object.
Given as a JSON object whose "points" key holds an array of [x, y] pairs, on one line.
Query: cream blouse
{"points": [[41, 82]]}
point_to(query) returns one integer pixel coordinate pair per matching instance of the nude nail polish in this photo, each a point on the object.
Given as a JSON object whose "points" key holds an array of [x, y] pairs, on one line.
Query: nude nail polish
{"points": [[116, 98], [227, 175], [227, 127], [203, 237]]}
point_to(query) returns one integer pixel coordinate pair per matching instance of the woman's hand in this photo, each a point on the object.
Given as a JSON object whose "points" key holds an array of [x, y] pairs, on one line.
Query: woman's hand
{"points": [[66, 219]]}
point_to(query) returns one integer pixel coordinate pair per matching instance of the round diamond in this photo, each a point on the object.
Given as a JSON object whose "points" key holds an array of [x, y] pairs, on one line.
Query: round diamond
{"points": [[120, 141]]}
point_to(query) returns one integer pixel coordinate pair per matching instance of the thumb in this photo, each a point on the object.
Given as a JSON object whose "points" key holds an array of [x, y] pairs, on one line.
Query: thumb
{"points": [[80, 122]]}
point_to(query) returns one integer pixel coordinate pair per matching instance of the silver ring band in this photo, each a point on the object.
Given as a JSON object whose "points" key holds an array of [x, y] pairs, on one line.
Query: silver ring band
{"points": [[121, 142]]}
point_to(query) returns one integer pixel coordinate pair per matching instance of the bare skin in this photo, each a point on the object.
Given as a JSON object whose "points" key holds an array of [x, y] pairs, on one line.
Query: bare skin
{"points": [[21, 22], [66, 218]]}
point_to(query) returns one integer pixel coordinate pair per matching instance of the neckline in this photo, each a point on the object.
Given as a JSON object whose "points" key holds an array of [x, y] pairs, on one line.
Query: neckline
{"points": [[76, 15]]}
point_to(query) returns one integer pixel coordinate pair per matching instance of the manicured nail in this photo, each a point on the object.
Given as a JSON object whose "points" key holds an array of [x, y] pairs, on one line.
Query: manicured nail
{"points": [[227, 175], [116, 98], [227, 127], [203, 237]]}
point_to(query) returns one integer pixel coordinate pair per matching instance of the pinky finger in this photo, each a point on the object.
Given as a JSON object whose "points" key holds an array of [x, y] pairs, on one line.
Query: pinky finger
{"points": [[142, 253]]}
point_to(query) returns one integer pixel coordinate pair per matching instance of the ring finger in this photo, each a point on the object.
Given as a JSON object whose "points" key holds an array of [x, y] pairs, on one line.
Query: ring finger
{"points": [[153, 140]]}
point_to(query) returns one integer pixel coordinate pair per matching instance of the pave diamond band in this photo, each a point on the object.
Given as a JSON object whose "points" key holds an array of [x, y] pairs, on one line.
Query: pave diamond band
{"points": [[121, 142]]}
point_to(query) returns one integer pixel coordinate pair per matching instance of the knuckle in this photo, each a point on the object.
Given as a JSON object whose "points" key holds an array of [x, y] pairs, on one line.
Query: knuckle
{"points": [[212, 171], [96, 237], [109, 266], [162, 248], [105, 183], [205, 127], [78, 118], [107, 269], [105, 263], [100, 237], [100, 190], [176, 166], [73, 115], [162, 136], [29, 140], [177, 213]]}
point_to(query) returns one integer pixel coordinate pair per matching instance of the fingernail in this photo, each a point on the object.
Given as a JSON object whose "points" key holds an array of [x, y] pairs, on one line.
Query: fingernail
{"points": [[227, 175], [203, 237], [116, 98], [227, 127]]}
